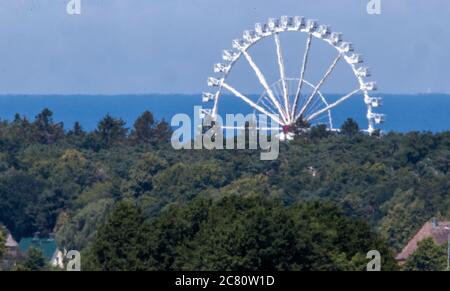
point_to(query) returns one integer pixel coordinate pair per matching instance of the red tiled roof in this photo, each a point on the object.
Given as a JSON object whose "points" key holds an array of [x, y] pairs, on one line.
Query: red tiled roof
{"points": [[439, 234]]}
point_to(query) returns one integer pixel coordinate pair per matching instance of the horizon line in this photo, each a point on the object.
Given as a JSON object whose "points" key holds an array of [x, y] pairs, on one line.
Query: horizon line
{"points": [[189, 94]]}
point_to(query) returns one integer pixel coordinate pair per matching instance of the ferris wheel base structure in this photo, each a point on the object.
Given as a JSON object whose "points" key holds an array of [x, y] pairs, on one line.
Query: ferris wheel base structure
{"points": [[283, 100]]}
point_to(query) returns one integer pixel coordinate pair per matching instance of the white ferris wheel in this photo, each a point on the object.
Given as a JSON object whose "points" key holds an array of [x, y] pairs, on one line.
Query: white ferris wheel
{"points": [[286, 101]]}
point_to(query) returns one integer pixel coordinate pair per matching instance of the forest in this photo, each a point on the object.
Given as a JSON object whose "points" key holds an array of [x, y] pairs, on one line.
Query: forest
{"points": [[123, 197]]}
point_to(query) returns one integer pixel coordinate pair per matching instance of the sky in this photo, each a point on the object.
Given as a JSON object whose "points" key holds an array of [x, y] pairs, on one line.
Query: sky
{"points": [[170, 46]]}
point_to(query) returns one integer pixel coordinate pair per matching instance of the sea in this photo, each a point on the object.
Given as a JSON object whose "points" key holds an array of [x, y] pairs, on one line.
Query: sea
{"points": [[404, 113]]}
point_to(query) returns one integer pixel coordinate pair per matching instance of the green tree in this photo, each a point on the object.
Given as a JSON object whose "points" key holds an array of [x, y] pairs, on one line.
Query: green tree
{"points": [[111, 130], [350, 128], [80, 230], [18, 196], [120, 244], [67, 177], [20, 131], [142, 174], [162, 132], [34, 260], [320, 131], [45, 130], [182, 182], [417, 146], [77, 130], [143, 128], [427, 257]]}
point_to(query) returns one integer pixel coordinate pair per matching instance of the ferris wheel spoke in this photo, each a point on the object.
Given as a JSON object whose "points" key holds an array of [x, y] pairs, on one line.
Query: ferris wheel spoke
{"points": [[330, 118], [251, 103], [302, 75], [316, 107], [277, 92], [266, 106], [264, 83], [323, 100], [267, 125], [267, 103], [318, 103], [319, 85], [258, 128], [282, 75], [331, 106]]}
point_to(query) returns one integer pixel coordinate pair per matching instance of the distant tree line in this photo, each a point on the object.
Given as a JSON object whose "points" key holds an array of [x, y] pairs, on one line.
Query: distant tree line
{"points": [[110, 131]]}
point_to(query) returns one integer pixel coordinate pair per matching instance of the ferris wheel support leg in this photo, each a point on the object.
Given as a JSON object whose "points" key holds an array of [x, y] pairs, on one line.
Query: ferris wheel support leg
{"points": [[371, 128], [264, 83], [302, 76], [319, 85], [331, 106], [251, 103], [282, 75]]}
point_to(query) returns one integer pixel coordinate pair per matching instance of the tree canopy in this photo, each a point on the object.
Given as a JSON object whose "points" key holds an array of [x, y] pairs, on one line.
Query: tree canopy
{"points": [[427, 257], [237, 234], [69, 182]]}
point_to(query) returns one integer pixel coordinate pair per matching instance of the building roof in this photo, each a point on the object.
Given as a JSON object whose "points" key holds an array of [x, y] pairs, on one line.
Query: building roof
{"points": [[10, 242], [438, 231], [46, 245]]}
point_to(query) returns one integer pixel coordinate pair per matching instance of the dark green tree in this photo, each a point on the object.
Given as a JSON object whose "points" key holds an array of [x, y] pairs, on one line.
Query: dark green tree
{"points": [[143, 128], [417, 146], [45, 130], [319, 131], [141, 176], [163, 132], [350, 128], [121, 243], [182, 182], [427, 257], [34, 260], [77, 130], [111, 131], [79, 230], [20, 131], [18, 195]]}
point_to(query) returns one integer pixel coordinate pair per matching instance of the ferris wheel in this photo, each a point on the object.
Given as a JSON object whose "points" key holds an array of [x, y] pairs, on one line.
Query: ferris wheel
{"points": [[285, 101]]}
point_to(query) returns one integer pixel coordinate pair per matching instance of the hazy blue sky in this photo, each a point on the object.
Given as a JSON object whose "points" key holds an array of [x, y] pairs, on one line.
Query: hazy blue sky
{"points": [[169, 46]]}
